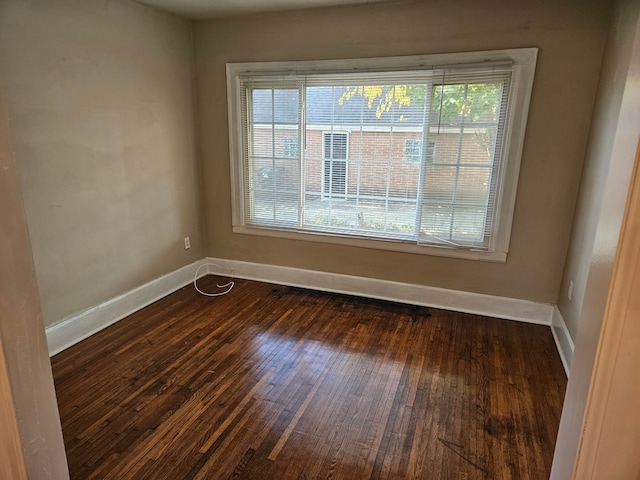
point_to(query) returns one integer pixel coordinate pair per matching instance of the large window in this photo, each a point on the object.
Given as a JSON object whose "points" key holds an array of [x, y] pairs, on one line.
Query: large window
{"points": [[416, 153]]}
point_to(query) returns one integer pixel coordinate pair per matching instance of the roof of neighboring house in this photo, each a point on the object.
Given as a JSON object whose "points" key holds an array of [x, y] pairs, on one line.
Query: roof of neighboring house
{"points": [[324, 108]]}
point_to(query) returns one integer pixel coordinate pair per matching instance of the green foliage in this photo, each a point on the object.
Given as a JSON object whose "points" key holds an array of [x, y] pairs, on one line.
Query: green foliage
{"points": [[473, 102], [383, 96]]}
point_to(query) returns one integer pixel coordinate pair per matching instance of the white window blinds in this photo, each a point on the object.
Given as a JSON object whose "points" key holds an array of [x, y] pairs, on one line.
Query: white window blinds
{"points": [[414, 156], [352, 177]]}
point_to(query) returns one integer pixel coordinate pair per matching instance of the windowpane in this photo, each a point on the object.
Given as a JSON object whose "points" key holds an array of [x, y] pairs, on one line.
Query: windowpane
{"points": [[446, 143], [367, 166], [287, 207], [273, 157], [401, 217], [262, 105], [473, 185], [373, 179], [377, 145], [403, 183], [449, 103], [262, 141], [478, 145], [483, 102], [436, 222], [371, 215], [411, 155], [439, 184], [468, 224], [285, 105], [313, 178]]}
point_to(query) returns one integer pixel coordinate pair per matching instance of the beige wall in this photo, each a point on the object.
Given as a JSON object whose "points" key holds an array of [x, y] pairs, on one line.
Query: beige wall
{"points": [[570, 35], [100, 100], [597, 164], [27, 397], [610, 161]]}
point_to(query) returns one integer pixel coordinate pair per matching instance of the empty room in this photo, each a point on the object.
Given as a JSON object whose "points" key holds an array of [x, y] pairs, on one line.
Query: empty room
{"points": [[300, 239]]}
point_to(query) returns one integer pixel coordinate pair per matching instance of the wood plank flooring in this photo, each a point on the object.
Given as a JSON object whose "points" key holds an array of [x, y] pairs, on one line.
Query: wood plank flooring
{"points": [[273, 382]]}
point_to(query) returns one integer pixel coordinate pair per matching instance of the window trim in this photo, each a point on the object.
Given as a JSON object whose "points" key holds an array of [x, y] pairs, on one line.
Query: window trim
{"points": [[523, 62]]}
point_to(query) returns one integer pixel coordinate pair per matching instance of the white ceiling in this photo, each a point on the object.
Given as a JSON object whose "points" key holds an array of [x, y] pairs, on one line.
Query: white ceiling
{"points": [[199, 9]]}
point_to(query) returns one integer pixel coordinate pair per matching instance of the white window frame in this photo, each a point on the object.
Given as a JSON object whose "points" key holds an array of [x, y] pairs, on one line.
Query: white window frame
{"points": [[523, 61]]}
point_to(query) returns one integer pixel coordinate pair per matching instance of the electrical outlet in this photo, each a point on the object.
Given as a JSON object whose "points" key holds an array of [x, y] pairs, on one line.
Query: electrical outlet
{"points": [[187, 243], [570, 290]]}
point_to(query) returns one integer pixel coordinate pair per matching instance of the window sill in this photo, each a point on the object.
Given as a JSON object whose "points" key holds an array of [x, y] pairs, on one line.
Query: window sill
{"points": [[389, 245]]}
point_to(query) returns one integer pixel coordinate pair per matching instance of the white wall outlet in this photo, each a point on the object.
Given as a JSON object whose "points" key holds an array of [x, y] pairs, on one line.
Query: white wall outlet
{"points": [[187, 243], [570, 290]]}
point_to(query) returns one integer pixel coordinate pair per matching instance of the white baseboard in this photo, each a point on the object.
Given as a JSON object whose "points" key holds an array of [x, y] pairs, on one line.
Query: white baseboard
{"points": [[564, 342], [81, 325], [476, 303]]}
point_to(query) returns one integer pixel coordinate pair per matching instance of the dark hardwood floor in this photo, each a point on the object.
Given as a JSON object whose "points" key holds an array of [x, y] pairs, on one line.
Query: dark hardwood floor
{"points": [[272, 382]]}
